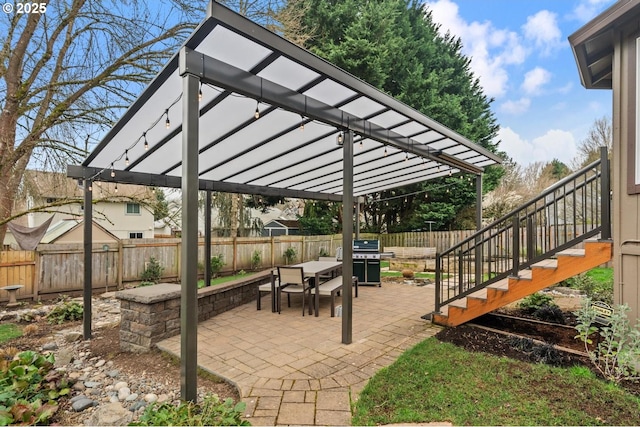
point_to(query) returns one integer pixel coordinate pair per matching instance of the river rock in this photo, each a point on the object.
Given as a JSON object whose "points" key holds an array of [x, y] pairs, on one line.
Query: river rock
{"points": [[110, 414]]}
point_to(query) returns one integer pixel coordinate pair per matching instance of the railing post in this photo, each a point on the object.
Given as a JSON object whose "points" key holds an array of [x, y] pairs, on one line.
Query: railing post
{"points": [[438, 282], [605, 197], [530, 239], [460, 271], [516, 246]]}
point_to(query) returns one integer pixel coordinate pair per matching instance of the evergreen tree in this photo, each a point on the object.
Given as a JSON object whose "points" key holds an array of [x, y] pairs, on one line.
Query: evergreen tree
{"points": [[395, 46]]}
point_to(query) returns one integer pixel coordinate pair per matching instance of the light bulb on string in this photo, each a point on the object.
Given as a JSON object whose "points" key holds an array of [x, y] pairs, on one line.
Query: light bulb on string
{"points": [[116, 189], [200, 93], [339, 138], [167, 123], [301, 122], [406, 157], [385, 151], [113, 173], [257, 113], [449, 172], [90, 188], [126, 157], [361, 146], [146, 143]]}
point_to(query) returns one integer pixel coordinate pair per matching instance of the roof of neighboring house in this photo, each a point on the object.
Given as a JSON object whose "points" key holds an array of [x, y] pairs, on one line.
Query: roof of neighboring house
{"points": [[593, 44], [64, 227], [286, 223]]}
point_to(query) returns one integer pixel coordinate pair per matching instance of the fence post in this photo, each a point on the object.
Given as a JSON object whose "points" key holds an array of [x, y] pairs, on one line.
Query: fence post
{"points": [[35, 277], [120, 264], [516, 246], [605, 197], [438, 282]]}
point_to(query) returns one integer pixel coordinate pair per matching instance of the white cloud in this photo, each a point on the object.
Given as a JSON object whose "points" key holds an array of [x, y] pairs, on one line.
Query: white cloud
{"points": [[516, 107], [588, 9], [491, 49], [542, 29], [554, 144], [534, 80]]}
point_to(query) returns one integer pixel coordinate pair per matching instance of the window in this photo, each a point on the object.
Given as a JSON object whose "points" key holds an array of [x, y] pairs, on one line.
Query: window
{"points": [[135, 235], [133, 208]]}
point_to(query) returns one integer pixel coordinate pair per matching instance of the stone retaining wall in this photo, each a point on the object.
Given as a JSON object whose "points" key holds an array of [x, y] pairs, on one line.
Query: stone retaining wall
{"points": [[150, 314]]}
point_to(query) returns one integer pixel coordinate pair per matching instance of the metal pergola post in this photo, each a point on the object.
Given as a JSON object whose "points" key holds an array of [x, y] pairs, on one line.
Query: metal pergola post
{"points": [[478, 254], [88, 268], [347, 238], [207, 239], [189, 255]]}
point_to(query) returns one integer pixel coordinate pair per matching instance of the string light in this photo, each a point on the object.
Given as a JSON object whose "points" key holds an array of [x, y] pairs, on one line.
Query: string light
{"points": [[385, 151], [200, 93], [340, 138], [116, 187], [406, 157], [146, 143], [449, 172], [167, 123], [361, 145], [113, 173], [301, 122], [90, 188], [257, 113], [126, 157]]}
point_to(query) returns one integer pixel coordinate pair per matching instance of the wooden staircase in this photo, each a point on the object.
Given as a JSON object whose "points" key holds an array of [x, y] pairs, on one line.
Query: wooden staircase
{"points": [[540, 275]]}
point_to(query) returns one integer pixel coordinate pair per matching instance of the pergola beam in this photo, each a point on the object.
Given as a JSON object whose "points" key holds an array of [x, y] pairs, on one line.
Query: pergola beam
{"points": [[167, 181]]}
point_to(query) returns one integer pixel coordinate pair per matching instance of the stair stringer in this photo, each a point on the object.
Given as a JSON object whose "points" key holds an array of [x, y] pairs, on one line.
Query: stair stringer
{"points": [[542, 275]]}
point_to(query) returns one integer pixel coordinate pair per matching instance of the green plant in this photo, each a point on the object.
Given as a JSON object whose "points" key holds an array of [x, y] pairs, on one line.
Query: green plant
{"points": [[217, 262], [600, 289], [290, 255], [550, 313], [28, 381], [323, 253], [256, 259], [66, 311], [152, 272], [210, 412], [617, 354], [536, 301]]}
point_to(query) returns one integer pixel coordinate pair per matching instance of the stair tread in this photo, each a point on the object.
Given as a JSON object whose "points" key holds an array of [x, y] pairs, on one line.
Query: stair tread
{"points": [[572, 252], [547, 263], [502, 285]]}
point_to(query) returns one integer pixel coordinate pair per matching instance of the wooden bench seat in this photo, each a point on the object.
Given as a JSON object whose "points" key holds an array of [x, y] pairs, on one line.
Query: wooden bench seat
{"points": [[332, 288]]}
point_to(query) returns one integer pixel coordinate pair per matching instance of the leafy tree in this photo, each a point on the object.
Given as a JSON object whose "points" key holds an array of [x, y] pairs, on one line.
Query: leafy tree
{"points": [[76, 67], [320, 218], [600, 135], [395, 46]]}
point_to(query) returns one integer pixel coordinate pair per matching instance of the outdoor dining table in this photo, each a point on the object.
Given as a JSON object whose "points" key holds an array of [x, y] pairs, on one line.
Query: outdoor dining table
{"points": [[311, 269]]}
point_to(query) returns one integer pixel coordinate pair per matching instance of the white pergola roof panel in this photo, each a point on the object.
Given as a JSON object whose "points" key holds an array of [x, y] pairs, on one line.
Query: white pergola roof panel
{"points": [[243, 66]]}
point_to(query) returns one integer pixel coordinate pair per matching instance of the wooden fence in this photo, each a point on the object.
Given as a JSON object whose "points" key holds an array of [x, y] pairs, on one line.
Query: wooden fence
{"points": [[59, 268]]}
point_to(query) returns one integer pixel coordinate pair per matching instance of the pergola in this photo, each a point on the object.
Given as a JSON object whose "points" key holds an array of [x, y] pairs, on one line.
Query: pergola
{"points": [[240, 109]]}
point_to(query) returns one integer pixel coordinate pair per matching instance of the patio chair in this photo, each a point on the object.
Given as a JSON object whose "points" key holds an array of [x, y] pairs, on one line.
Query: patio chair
{"points": [[292, 281]]}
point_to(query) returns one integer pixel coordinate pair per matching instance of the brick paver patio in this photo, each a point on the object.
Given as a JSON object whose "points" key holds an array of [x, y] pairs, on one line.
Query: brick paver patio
{"points": [[294, 370]]}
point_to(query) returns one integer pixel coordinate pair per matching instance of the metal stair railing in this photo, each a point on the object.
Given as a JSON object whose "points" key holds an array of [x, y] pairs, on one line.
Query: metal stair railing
{"points": [[574, 209]]}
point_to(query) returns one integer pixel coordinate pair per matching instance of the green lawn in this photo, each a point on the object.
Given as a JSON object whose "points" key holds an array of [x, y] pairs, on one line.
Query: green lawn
{"points": [[601, 274], [399, 274], [9, 331], [438, 382]]}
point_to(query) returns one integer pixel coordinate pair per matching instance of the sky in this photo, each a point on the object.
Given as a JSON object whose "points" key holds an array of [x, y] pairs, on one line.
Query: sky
{"points": [[520, 52]]}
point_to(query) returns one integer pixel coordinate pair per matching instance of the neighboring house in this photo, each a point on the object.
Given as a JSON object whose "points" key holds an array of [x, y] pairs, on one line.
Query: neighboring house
{"points": [[281, 227], [72, 231], [121, 210], [607, 51]]}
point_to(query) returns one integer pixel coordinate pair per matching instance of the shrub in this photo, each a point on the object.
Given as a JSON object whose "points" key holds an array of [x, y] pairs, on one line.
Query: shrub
{"points": [[408, 273], [152, 273], [67, 311], [550, 313], [595, 290], [290, 255], [30, 388], [547, 354], [536, 301], [217, 262], [210, 412], [323, 253], [617, 354], [256, 259]]}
